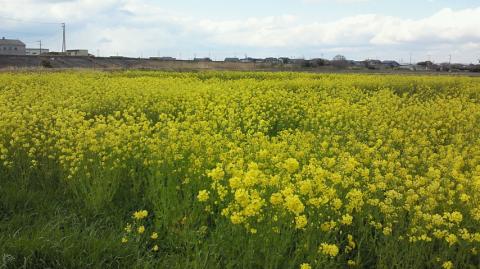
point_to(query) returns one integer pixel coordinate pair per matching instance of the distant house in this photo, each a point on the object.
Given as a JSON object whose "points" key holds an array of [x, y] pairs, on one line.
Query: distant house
{"points": [[339, 58], [232, 60], [248, 60], [410, 67], [391, 64], [11, 47], [273, 60], [206, 59], [77, 53], [36, 51], [285, 60], [163, 58], [298, 61], [373, 64], [319, 62]]}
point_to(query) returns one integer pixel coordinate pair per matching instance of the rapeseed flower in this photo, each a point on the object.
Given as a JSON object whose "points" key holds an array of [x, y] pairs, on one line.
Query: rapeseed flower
{"points": [[138, 215], [305, 266], [203, 195], [329, 249]]}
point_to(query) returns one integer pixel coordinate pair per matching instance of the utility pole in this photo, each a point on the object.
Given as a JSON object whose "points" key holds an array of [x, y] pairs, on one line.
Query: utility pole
{"points": [[40, 43], [64, 44], [450, 59]]}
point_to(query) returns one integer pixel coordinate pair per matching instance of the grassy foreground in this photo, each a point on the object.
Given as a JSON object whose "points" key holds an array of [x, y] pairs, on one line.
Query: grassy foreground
{"points": [[238, 170]]}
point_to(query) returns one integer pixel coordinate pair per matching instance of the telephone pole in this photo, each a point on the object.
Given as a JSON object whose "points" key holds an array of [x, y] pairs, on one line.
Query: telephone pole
{"points": [[40, 43], [64, 45]]}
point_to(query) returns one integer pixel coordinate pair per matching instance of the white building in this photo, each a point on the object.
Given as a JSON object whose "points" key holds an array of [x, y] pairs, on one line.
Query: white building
{"points": [[77, 52], [32, 51], [11, 47]]}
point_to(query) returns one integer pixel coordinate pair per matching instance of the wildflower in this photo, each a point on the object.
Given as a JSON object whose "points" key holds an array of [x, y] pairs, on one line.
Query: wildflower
{"points": [[300, 222], [291, 165], [451, 239], [154, 236], [236, 218], [242, 197], [447, 265], [138, 215], [351, 263], [124, 240], [203, 195], [216, 174], [294, 204], [141, 229], [276, 199], [328, 226], [387, 231], [346, 219], [155, 248], [329, 249], [305, 266], [456, 217], [235, 182], [128, 228], [351, 243]]}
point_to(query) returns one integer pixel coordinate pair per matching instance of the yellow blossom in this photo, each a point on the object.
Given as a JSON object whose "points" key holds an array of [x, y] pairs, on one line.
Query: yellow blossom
{"points": [[291, 165], [447, 265], [305, 266], [140, 214], [329, 249], [300, 222], [203, 195]]}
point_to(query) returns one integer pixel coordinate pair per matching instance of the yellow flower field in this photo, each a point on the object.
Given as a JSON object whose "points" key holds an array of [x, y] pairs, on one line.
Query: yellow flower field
{"points": [[251, 170]]}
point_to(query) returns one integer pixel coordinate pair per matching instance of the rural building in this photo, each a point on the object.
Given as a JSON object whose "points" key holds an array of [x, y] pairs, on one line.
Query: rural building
{"points": [[166, 58], [298, 61], [232, 60], [272, 60], [391, 64], [339, 58], [11, 47], [206, 59], [285, 60], [252, 60], [31, 51], [77, 53]]}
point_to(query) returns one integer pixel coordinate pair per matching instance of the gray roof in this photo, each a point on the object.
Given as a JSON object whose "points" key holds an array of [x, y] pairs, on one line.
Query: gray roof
{"points": [[11, 42]]}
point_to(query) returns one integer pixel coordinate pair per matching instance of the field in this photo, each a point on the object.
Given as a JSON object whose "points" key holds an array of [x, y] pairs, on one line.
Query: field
{"points": [[239, 170]]}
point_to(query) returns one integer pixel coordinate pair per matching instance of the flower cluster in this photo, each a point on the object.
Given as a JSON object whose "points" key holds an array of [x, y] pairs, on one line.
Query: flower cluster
{"points": [[325, 159]]}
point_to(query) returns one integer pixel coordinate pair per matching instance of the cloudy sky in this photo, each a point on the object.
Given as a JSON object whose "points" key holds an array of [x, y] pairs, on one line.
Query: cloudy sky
{"points": [[358, 29]]}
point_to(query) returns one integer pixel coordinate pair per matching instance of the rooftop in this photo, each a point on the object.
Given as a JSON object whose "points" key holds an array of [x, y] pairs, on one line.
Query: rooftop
{"points": [[11, 42]]}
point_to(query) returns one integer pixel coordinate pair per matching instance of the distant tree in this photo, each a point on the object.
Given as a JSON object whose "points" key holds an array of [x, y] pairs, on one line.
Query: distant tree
{"points": [[426, 63], [46, 64]]}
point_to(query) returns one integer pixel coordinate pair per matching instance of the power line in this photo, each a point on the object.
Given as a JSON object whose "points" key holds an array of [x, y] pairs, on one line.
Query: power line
{"points": [[27, 21], [19, 32]]}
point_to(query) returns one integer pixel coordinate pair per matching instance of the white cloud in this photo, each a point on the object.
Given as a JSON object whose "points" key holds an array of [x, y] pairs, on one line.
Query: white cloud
{"points": [[134, 26]]}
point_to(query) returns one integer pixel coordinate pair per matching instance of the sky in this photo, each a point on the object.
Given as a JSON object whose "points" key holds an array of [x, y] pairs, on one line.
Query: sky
{"points": [[358, 29]]}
